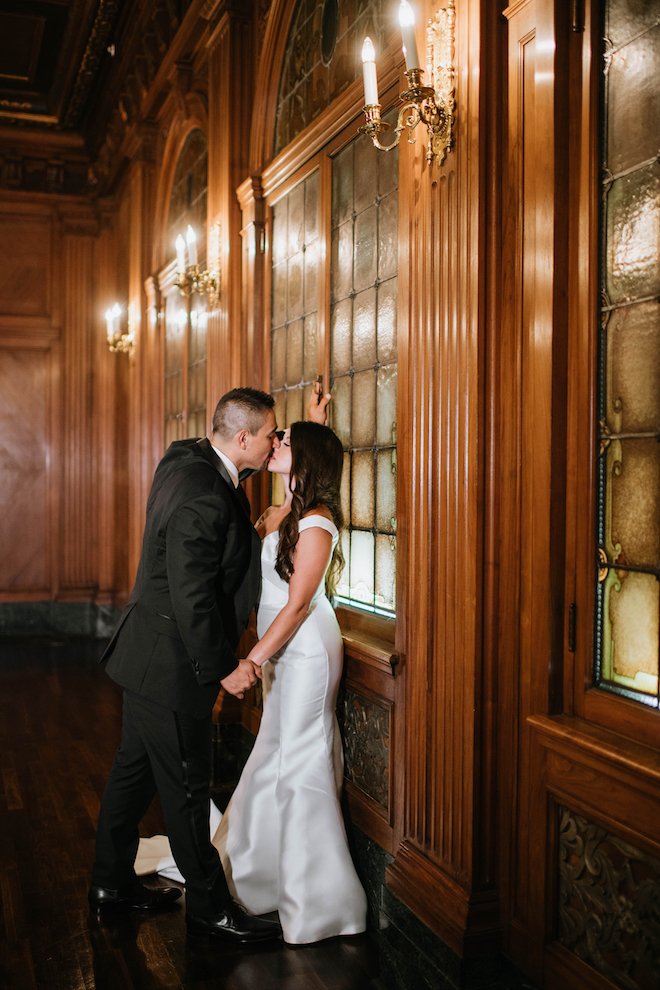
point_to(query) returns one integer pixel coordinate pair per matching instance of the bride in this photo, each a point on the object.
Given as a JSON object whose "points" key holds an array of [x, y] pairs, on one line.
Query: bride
{"points": [[282, 840]]}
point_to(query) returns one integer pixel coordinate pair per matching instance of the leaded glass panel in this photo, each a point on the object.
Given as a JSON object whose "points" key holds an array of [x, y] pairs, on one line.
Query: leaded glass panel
{"points": [[363, 367], [175, 328], [322, 58], [628, 565]]}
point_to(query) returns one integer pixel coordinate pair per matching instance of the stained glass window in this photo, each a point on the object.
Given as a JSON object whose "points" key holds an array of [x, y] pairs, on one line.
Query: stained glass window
{"points": [[628, 565], [323, 57], [363, 364], [185, 319]]}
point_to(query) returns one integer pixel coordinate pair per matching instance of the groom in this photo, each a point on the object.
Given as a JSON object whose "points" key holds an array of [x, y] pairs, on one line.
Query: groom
{"points": [[197, 582]]}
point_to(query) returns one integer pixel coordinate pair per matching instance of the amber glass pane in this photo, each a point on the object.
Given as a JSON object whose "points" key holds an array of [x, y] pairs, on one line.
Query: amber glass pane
{"points": [[363, 365], [633, 92], [633, 235], [628, 490], [362, 484], [635, 487]]}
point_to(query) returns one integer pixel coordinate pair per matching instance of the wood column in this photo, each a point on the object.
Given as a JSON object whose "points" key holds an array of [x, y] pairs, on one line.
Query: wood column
{"points": [[443, 869], [79, 521], [104, 411], [143, 433], [230, 92]]}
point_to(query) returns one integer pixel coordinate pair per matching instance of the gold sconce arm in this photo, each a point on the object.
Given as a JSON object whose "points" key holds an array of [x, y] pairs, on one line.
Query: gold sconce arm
{"points": [[192, 280], [432, 105]]}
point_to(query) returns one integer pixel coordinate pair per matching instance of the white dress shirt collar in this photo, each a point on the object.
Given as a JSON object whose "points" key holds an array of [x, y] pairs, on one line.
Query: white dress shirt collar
{"points": [[231, 467]]}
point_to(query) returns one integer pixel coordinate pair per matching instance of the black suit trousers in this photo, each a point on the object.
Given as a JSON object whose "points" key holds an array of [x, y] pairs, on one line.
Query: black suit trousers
{"points": [[169, 752]]}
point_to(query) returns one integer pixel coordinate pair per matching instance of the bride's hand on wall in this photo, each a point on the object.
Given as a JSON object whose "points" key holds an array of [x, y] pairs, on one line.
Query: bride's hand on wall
{"points": [[317, 407]]}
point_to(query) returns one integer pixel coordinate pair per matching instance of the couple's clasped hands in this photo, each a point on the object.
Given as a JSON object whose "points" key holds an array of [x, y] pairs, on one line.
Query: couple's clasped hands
{"points": [[242, 678]]}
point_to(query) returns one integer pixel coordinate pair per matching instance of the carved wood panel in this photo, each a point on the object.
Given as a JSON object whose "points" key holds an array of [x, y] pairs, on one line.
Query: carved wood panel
{"points": [[25, 265], [25, 426]]}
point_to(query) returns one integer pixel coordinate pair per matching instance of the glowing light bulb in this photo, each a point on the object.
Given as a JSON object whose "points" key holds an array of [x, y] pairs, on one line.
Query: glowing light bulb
{"points": [[407, 22], [369, 73], [191, 239], [180, 254]]}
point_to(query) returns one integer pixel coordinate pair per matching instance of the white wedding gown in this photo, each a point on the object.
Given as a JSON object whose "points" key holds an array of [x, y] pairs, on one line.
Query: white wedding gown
{"points": [[282, 839]]}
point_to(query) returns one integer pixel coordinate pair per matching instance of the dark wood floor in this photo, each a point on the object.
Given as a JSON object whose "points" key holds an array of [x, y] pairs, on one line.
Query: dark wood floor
{"points": [[59, 728]]}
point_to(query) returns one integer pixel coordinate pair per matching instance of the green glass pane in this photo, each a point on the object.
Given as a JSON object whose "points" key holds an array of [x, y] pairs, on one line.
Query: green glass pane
{"points": [[296, 219], [627, 19], [346, 489], [279, 248], [294, 406], [280, 409]]}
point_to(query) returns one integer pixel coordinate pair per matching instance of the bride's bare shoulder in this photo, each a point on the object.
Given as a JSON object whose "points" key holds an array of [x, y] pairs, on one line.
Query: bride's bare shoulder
{"points": [[319, 510]]}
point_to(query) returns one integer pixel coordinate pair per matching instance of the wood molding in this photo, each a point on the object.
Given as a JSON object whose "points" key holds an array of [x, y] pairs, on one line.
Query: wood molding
{"points": [[467, 922], [566, 971]]}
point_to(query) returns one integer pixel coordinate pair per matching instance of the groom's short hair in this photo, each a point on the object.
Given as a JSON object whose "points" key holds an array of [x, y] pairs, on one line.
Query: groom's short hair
{"points": [[241, 409]]}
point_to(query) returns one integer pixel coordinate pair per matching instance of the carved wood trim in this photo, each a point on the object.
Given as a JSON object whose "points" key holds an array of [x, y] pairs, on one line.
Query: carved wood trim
{"points": [[469, 923]]}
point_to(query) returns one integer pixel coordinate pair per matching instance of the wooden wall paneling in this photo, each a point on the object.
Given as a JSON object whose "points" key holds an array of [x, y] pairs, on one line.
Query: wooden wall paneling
{"points": [[143, 431], [230, 101], [441, 869], [79, 453], [104, 410], [532, 412], [28, 493]]}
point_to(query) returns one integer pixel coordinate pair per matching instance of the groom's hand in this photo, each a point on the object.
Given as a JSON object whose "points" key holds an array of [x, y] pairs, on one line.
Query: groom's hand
{"points": [[240, 679]]}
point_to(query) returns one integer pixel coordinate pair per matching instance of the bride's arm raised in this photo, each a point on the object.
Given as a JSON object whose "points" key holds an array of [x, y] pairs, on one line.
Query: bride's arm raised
{"points": [[309, 561]]}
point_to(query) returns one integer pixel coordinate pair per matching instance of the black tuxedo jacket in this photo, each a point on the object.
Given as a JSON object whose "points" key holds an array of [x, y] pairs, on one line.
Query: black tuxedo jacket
{"points": [[197, 582]]}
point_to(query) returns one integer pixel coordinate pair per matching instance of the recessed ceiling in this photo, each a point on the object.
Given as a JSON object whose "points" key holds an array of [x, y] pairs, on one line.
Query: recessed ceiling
{"points": [[50, 53]]}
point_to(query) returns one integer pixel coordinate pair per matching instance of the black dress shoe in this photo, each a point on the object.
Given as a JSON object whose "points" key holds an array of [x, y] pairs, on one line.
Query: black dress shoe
{"points": [[136, 895], [233, 924]]}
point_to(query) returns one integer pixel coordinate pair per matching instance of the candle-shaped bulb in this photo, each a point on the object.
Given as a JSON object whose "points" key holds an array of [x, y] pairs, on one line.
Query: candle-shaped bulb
{"points": [[116, 311], [369, 73], [407, 22], [191, 239], [180, 254]]}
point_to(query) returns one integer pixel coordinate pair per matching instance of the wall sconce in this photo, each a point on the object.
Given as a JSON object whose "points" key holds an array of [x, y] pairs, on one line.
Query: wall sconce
{"points": [[432, 105], [189, 277], [118, 341]]}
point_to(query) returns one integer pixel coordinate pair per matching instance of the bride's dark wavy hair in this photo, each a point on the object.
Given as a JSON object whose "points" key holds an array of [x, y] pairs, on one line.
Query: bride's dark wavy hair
{"points": [[317, 459]]}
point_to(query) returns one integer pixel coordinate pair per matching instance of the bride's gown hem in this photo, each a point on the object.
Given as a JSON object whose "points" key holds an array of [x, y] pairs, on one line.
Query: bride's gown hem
{"points": [[282, 839]]}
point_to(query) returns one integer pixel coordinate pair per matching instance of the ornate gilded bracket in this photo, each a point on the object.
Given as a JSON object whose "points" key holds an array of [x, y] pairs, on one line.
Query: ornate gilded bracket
{"points": [[432, 105]]}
